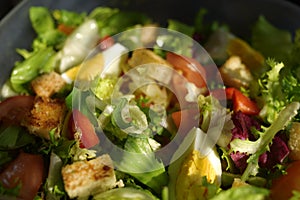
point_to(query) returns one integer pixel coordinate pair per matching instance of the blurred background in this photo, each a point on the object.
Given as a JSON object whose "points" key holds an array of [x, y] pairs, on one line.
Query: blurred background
{"points": [[7, 5]]}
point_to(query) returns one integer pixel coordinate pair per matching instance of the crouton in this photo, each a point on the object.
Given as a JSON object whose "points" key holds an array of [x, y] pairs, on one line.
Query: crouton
{"points": [[294, 141], [235, 74], [84, 178], [47, 84], [145, 56], [46, 115]]}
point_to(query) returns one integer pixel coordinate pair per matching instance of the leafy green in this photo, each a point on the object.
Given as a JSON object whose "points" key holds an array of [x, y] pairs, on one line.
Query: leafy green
{"points": [[30, 68], [41, 19], [9, 192], [271, 41], [173, 42], [69, 18], [181, 27], [125, 194], [54, 186], [244, 192], [271, 92], [14, 137], [5, 157], [296, 195], [129, 118], [102, 15], [199, 20], [261, 145], [51, 38], [44, 25], [140, 162], [118, 21], [104, 87], [60, 146]]}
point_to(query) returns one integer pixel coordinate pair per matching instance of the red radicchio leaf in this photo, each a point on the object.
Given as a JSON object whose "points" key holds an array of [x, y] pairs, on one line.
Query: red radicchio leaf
{"points": [[243, 124], [278, 152], [239, 160]]}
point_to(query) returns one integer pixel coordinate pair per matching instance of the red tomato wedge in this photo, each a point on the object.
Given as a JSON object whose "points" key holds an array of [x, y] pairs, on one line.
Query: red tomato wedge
{"points": [[229, 92], [13, 109], [283, 187], [65, 29], [106, 42], [26, 170], [242, 103], [185, 119], [81, 124], [188, 66]]}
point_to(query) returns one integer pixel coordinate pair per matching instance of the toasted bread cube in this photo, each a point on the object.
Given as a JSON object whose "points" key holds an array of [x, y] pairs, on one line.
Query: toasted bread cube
{"points": [[46, 115], [294, 141], [47, 84], [235, 74], [84, 178]]}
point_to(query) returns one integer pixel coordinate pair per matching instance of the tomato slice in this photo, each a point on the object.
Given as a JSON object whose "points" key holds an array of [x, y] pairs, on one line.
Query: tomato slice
{"points": [[192, 70], [185, 119], [26, 170], [81, 124], [106, 42], [14, 109], [229, 92], [283, 187], [65, 29], [241, 102]]}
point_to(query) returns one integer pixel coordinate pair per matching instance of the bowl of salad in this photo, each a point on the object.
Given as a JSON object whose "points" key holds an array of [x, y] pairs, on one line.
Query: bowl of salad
{"points": [[150, 100]]}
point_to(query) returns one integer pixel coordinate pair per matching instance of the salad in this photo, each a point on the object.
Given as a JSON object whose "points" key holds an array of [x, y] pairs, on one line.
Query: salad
{"points": [[109, 105]]}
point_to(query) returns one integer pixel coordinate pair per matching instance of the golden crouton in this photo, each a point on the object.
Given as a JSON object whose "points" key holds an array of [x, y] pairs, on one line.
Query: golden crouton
{"points": [[84, 178], [294, 141], [47, 84], [46, 115], [235, 74]]}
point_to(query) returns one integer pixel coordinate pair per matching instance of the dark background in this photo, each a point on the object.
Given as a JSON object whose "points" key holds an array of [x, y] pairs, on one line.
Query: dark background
{"points": [[7, 5]]}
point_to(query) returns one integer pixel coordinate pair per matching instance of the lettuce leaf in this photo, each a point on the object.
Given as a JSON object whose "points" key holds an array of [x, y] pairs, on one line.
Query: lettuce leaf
{"points": [[271, 41], [69, 18], [27, 70], [140, 162], [244, 192], [41, 19]]}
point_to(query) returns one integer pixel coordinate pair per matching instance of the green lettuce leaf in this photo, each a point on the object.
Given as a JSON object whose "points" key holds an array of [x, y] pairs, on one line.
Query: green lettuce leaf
{"points": [[181, 27], [141, 163], [271, 92], [111, 21], [244, 192], [14, 137], [30, 68], [69, 18], [271, 41], [41, 19]]}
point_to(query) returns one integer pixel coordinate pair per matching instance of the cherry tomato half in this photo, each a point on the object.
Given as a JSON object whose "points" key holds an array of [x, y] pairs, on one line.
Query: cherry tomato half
{"points": [[79, 123], [283, 187], [192, 70], [14, 109], [26, 170]]}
